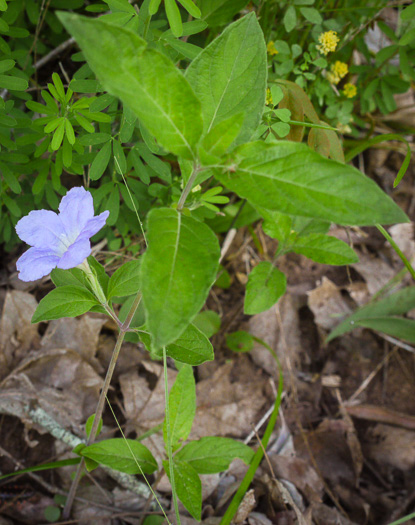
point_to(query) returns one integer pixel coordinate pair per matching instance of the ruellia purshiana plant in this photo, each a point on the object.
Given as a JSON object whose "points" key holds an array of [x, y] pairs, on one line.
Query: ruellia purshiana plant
{"points": [[217, 125]]}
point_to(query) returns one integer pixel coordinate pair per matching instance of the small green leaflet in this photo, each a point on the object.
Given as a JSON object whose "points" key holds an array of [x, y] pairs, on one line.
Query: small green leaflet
{"points": [[379, 316], [64, 301], [191, 347], [182, 407], [291, 178], [125, 280], [188, 486], [266, 284], [124, 455], [177, 271], [213, 454], [146, 81], [229, 76], [73, 276]]}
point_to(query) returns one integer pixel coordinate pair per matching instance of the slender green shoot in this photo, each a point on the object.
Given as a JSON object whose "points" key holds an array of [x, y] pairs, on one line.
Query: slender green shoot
{"points": [[168, 444], [399, 252]]}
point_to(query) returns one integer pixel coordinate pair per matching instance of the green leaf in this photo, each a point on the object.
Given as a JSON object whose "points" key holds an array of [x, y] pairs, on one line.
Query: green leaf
{"points": [[45, 466], [94, 138], [396, 304], [145, 80], [219, 12], [210, 455], [408, 12], [12, 205], [99, 272], [64, 301], [10, 178], [324, 249], [240, 341], [191, 8], [290, 19], [58, 135], [182, 406], [229, 76], [191, 347], [208, 322], [124, 455], [177, 271], [311, 14], [407, 38], [266, 284], [217, 141], [188, 486], [13, 83], [394, 326], [73, 276], [100, 162], [89, 423], [174, 17], [126, 280], [291, 178], [120, 161], [6, 65]]}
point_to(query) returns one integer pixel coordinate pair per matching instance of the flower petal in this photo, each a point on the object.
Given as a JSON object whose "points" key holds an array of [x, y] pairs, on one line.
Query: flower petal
{"points": [[36, 263], [94, 225], [42, 229], [75, 254], [76, 209]]}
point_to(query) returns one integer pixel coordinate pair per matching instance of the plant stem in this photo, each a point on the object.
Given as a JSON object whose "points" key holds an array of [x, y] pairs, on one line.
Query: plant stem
{"points": [[168, 444], [187, 188], [101, 403], [399, 252]]}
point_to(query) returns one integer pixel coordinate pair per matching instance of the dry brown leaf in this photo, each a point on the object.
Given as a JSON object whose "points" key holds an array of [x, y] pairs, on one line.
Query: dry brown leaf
{"points": [[280, 328], [330, 450], [246, 506], [375, 271], [17, 334], [144, 406], [390, 446], [324, 515], [63, 384], [327, 304], [300, 473], [229, 401], [80, 334]]}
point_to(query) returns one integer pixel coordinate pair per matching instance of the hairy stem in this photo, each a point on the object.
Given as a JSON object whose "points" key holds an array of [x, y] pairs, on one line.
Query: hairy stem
{"points": [[187, 188], [101, 403], [168, 444]]}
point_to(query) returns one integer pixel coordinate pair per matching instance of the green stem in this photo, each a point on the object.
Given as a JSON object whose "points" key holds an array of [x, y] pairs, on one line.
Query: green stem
{"points": [[168, 444], [401, 255], [311, 125], [243, 487], [101, 403]]}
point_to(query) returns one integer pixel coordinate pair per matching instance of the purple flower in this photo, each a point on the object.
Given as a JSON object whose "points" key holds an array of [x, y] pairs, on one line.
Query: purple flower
{"points": [[58, 240]]}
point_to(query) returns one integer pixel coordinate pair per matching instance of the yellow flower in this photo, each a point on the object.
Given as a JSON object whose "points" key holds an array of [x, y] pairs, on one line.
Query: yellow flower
{"points": [[338, 71], [268, 100], [328, 42], [349, 90], [271, 48]]}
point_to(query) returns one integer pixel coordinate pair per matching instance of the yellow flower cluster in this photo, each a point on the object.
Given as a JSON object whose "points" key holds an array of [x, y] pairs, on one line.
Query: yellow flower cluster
{"points": [[328, 42], [338, 71], [349, 90], [271, 50], [268, 100]]}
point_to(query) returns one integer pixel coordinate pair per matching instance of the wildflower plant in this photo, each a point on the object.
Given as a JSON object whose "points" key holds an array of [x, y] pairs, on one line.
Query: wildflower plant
{"points": [[171, 142]]}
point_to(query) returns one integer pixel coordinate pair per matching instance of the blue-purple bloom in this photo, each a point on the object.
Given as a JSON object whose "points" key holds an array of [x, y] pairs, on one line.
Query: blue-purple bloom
{"points": [[58, 240]]}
